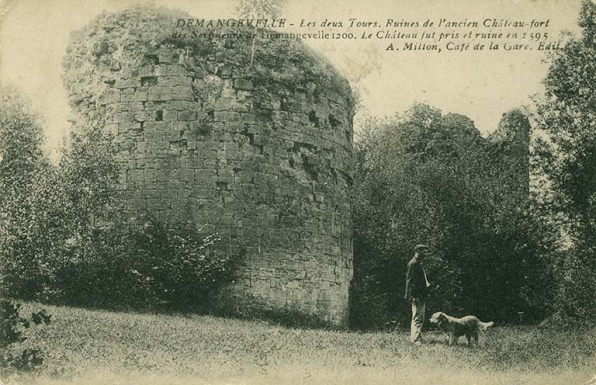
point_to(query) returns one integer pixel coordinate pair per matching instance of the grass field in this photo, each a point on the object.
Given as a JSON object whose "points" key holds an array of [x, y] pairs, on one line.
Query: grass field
{"points": [[99, 347]]}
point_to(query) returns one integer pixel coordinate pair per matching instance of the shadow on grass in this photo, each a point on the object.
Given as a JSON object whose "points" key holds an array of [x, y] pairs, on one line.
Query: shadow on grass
{"points": [[288, 318]]}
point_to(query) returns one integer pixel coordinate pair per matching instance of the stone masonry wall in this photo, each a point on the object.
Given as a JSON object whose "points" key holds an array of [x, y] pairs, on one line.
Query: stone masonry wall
{"points": [[259, 152]]}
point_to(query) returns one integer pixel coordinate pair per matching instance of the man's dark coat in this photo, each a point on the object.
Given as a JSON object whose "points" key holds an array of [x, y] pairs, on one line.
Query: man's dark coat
{"points": [[415, 281]]}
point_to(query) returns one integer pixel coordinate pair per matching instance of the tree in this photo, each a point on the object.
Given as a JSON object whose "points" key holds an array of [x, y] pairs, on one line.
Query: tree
{"points": [[425, 177], [89, 176], [47, 213], [565, 159], [22, 170], [567, 115]]}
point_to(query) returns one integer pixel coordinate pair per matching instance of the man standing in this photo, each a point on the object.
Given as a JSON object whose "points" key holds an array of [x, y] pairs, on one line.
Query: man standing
{"points": [[416, 290]]}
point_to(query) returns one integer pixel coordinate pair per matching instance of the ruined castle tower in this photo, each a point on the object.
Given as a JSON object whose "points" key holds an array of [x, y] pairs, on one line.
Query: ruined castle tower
{"points": [[249, 138], [512, 137]]}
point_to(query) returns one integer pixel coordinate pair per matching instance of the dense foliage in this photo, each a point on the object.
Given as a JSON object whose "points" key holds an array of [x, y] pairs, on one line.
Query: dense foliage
{"points": [[22, 171], [145, 264], [565, 161], [430, 178], [65, 236]]}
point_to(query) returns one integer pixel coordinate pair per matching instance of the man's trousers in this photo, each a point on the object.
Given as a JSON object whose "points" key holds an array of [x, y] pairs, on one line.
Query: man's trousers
{"points": [[418, 309]]}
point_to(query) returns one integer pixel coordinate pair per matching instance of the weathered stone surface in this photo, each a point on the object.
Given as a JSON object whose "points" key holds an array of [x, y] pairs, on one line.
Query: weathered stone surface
{"points": [[268, 164], [513, 139]]}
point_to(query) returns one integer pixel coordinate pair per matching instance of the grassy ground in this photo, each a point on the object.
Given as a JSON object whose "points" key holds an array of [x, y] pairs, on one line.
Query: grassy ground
{"points": [[98, 347]]}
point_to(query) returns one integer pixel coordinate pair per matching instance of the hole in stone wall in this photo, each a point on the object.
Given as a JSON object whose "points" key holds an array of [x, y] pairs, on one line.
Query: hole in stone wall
{"points": [[317, 95], [333, 122], [148, 81], [203, 129], [152, 58], [102, 48], [158, 115], [310, 168], [307, 146], [312, 117], [350, 182], [251, 137], [265, 115]]}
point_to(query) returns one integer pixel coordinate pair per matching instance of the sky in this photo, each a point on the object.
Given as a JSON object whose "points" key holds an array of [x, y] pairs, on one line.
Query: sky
{"points": [[481, 85]]}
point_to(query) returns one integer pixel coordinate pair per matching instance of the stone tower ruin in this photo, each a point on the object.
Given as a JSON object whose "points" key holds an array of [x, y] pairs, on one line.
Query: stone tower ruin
{"points": [[247, 137], [512, 138]]}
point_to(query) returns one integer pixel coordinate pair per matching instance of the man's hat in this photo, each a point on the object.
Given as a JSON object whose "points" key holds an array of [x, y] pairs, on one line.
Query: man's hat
{"points": [[420, 247]]}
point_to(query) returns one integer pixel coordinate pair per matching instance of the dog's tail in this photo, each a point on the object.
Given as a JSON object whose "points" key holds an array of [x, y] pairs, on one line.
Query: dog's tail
{"points": [[485, 325]]}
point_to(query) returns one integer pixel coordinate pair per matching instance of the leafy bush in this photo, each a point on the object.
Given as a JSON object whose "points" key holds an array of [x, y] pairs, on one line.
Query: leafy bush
{"points": [[15, 362], [145, 265], [177, 266]]}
